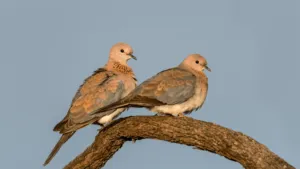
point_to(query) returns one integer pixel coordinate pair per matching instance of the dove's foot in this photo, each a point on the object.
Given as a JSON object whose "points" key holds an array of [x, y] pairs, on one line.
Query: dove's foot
{"points": [[100, 128], [98, 124], [163, 114], [103, 125], [181, 115], [158, 114]]}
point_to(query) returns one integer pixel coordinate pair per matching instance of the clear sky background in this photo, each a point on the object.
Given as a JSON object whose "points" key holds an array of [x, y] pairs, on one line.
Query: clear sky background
{"points": [[47, 49]]}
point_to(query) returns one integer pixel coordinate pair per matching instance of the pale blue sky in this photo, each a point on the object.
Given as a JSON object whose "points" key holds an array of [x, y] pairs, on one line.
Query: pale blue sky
{"points": [[49, 47]]}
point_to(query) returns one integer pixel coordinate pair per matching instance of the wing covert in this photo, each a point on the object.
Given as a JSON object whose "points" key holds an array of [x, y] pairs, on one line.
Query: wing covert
{"points": [[99, 90], [171, 86]]}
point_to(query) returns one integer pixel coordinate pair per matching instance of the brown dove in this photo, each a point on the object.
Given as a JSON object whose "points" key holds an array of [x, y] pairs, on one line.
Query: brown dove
{"points": [[176, 91], [106, 86]]}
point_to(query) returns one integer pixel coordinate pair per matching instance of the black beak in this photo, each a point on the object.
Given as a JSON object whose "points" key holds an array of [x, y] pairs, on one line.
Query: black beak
{"points": [[207, 68], [133, 57]]}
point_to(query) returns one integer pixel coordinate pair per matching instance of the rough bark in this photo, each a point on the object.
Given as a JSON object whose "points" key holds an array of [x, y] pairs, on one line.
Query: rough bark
{"points": [[201, 135]]}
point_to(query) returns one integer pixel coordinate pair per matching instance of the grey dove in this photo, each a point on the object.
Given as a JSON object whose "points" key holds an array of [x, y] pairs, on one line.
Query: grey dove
{"points": [[106, 86], [175, 91]]}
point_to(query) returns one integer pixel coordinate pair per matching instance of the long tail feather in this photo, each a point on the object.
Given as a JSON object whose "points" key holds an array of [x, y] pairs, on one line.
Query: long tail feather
{"points": [[64, 138], [131, 102], [110, 107]]}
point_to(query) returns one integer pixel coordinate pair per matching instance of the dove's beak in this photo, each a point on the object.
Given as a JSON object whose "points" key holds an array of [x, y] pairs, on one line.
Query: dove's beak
{"points": [[132, 56], [207, 68]]}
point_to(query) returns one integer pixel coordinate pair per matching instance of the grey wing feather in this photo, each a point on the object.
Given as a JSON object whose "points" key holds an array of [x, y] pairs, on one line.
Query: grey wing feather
{"points": [[171, 86], [176, 95]]}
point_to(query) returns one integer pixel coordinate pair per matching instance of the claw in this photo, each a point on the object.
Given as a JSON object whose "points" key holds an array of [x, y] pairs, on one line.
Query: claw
{"points": [[101, 127], [181, 115]]}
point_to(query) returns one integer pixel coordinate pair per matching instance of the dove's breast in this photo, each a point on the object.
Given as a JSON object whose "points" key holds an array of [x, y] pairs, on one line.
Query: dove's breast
{"points": [[129, 82]]}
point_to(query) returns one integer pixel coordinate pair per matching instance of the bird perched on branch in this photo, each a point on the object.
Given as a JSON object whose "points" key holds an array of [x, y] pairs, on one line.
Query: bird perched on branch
{"points": [[107, 85], [176, 91]]}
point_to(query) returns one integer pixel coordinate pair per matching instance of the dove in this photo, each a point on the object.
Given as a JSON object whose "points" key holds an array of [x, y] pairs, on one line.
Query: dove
{"points": [[105, 86], [176, 91]]}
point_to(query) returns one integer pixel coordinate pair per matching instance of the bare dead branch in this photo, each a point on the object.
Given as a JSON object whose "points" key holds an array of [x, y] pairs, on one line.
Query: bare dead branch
{"points": [[202, 135]]}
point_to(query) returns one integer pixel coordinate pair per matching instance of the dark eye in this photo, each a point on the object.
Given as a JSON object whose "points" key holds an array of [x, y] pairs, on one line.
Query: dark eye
{"points": [[197, 61], [122, 50]]}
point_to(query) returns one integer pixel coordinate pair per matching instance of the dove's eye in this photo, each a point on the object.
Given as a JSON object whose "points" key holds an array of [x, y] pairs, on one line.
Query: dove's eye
{"points": [[197, 61], [122, 50]]}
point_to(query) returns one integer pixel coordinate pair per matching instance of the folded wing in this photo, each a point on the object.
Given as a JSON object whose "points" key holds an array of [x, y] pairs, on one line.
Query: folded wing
{"points": [[99, 90]]}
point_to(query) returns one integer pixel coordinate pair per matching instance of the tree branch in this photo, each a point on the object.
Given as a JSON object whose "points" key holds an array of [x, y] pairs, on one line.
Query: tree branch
{"points": [[202, 135]]}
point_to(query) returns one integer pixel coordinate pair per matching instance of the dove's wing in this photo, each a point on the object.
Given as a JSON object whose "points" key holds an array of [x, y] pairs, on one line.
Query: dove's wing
{"points": [[100, 89], [172, 86]]}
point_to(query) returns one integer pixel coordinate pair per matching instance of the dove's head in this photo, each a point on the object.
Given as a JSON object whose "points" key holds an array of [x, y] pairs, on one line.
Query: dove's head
{"points": [[195, 62], [121, 52]]}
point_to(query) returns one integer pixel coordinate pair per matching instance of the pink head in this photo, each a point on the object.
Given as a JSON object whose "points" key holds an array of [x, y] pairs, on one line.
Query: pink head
{"points": [[195, 62], [121, 52]]}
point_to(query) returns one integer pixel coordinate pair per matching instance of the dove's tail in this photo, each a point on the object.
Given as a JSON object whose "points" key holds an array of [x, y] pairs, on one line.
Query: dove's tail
{"points": [[116, 105], [64, 138], [130, 101]]}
